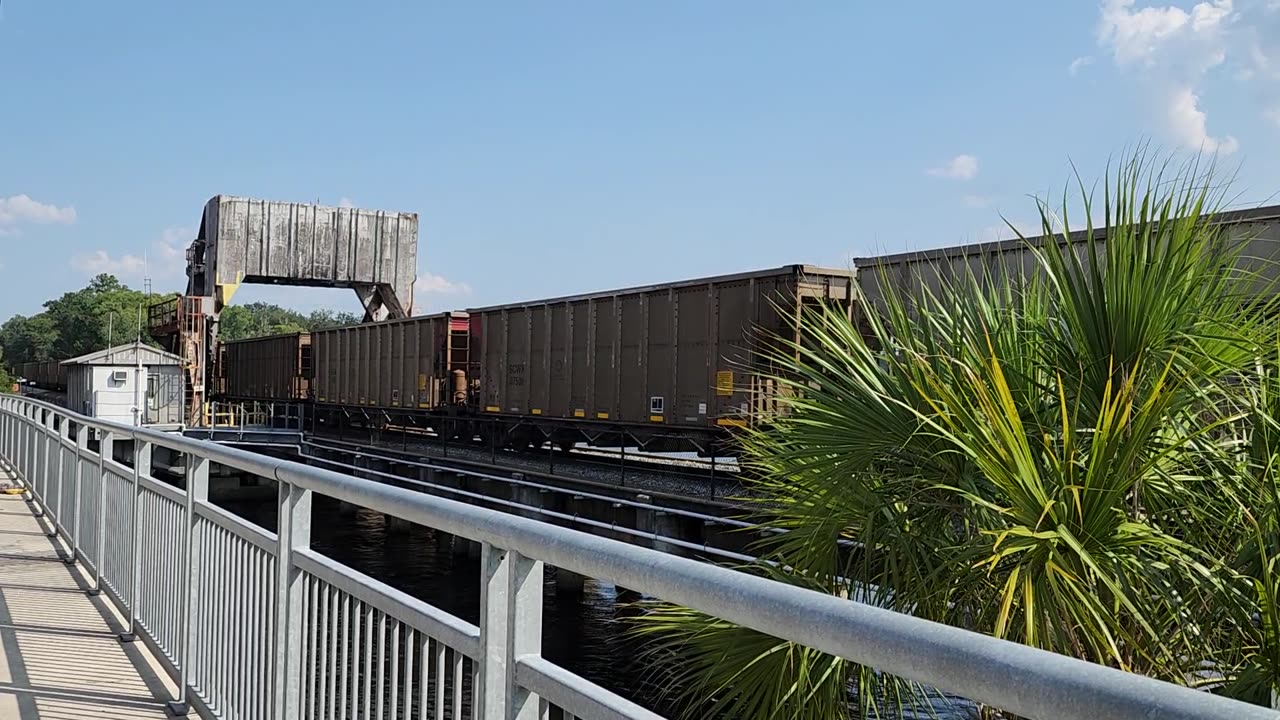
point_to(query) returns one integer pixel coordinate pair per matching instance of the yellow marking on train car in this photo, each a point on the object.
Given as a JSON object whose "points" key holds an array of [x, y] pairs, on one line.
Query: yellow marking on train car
{"points": [[731, 422], [579, 413], [536, 411], [655, 418], [724, 382], [323, 400], [492, 408], [424, 405], [395, 403], [602, 416]]}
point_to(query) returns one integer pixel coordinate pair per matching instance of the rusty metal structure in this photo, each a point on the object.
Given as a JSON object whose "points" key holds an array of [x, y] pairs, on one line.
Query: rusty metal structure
{"points": [[242, 240]]}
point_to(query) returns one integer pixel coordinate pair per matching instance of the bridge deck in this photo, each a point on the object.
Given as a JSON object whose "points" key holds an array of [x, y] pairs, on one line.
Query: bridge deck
{"points": [[59, 654]]}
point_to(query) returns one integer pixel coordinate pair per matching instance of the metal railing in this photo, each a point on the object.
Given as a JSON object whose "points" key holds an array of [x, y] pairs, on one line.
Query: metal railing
{"points": [[254, 414], [254, 624]]}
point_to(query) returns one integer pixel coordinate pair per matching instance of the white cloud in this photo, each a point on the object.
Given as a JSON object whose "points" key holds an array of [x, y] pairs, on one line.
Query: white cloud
{"points": [[960, 167], [1079, 64], [1143, 35], [1172, 52], [1188, 125], [345, 202], [430, 284], [975, 201], [100, 261], [165, 260], [1273, 114], [18, 209], [429, 288]]}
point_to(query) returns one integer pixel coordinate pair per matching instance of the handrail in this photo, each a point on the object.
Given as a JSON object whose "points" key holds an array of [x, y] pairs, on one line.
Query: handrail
{"points": [[1016, 678]]}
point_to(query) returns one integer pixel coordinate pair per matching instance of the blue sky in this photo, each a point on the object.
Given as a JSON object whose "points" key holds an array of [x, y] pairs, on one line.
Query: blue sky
{"points": [[560, 147]]}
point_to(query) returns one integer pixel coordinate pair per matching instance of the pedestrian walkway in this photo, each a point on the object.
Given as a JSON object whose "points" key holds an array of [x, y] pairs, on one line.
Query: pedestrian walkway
{"points": [[60, 658]]}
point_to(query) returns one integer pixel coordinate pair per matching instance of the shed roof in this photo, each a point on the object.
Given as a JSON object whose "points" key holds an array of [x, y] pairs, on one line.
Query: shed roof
{"points": [[128, 354]]}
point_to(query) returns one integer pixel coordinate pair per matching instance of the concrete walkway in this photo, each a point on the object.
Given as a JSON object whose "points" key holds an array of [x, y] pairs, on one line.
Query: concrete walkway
{"points": [[59, 655]]}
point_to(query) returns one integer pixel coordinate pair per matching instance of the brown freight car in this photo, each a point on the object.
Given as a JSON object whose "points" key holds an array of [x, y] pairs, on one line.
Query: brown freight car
{"points": [[417, 363], [277, 367], [909, 273], [46, 374], [660, 361]]}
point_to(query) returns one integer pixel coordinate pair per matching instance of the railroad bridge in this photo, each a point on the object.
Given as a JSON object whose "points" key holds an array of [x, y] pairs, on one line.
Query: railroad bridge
{"points": [[123, 596]]}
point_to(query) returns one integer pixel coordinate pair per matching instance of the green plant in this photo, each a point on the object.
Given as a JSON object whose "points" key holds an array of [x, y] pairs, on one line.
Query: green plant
{"points": [[1048, 457]]}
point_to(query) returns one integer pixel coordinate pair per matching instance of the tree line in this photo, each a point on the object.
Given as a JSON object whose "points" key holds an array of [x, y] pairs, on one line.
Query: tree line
{"points": [[107, 312]]}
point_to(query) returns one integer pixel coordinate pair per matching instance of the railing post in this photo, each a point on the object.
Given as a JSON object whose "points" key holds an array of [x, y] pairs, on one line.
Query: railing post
{"points": [[82, 444], [28, 451], [197, 492], [57, 446], [294, 533], [37, 459], [24, 454], [141, 467], [46, 436], [106, 449], [510, 626]]}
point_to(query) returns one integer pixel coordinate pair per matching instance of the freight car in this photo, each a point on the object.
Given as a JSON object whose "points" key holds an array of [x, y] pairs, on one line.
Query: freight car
{"points": [[908, 273], [276, 368], [666, 367], [46, 375], [418, 363]]}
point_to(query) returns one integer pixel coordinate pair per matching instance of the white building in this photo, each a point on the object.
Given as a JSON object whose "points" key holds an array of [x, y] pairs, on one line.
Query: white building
{"points": [[130, 384]]}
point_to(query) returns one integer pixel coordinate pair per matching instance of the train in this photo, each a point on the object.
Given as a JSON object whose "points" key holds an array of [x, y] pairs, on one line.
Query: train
{"points": [[666, 367], [45, 374], [663, 367]]}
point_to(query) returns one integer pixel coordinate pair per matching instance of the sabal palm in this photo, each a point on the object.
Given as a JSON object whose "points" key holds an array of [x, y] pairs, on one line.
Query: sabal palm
{"points": [[1035, 456]]}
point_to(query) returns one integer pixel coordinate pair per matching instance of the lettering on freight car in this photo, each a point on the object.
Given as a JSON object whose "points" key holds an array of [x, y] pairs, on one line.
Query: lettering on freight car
{"points": [[515, 374]]}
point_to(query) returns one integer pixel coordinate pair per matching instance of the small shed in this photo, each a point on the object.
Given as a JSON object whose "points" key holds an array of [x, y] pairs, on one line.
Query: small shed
{"points": [[109, 384]]}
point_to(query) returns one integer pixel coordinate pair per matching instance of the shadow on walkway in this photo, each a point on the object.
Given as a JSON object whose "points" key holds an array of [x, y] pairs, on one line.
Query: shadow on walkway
{"points": [[60, 657]]}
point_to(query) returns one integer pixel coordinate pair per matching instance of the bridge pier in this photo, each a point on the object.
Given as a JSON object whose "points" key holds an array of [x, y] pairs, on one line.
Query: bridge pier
{"points": [[570, 584], [661, 524]]}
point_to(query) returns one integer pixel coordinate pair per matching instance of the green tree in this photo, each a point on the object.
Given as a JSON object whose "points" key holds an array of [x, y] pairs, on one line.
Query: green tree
{"points": [[28, 339], [100, 315], [106, 312], [322, 319], [1077, 459], [260, 319]]}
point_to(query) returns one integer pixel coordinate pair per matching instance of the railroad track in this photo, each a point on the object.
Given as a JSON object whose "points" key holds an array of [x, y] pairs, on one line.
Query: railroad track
{"points": [[640, 471]]}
